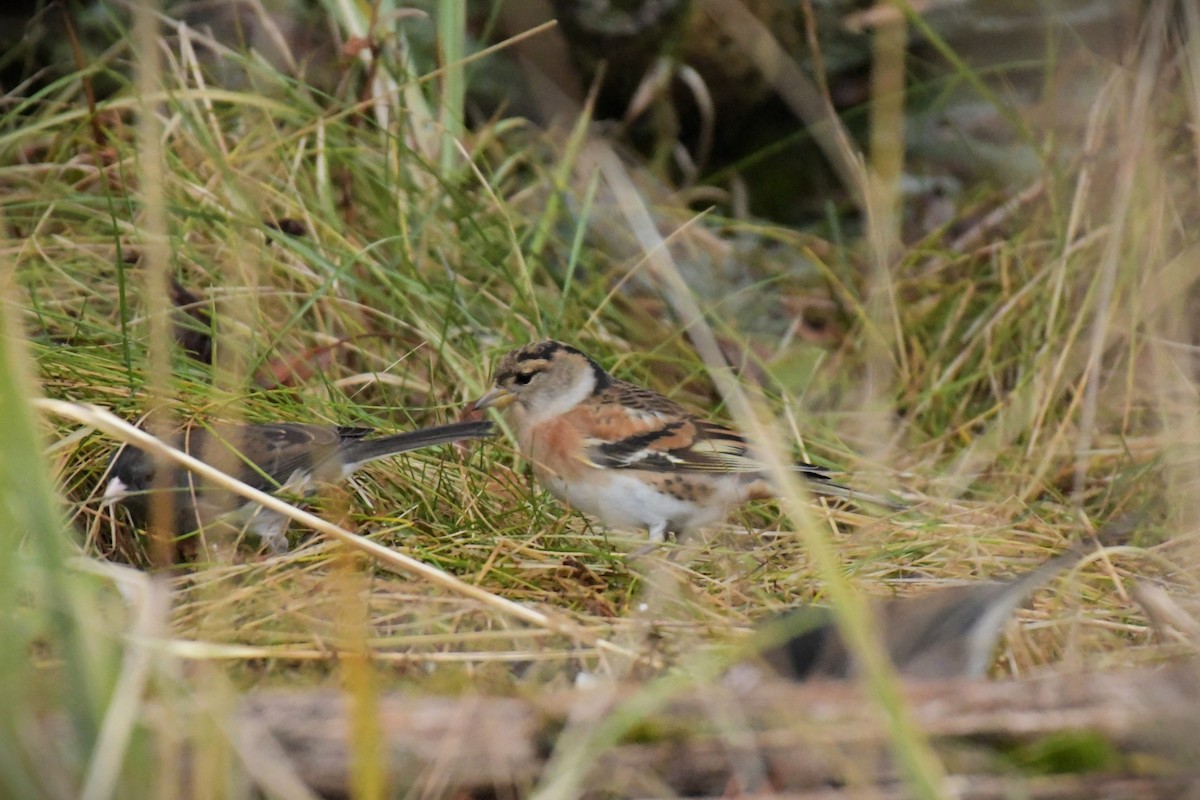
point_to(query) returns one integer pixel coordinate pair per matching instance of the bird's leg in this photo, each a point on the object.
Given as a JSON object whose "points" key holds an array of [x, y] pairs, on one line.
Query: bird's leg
{"points": [[658, 536]]}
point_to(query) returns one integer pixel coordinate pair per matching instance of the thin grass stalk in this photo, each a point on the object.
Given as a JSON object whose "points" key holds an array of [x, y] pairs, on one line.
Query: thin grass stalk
{"points": [[578, 746], [33, 547], [1045, 363], [124, 710], [452, 34], [561, 185], [795, 89], [106, 422], [1191, 72], [368, 767], [921, 767], [1132, 141], [518, 254], [16, 778], [156, 257], [276, 624], [885, 352], [963, 70]]}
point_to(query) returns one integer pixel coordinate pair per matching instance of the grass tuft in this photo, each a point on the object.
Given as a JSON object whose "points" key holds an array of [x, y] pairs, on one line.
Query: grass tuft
{"points": [[1021, 375]]}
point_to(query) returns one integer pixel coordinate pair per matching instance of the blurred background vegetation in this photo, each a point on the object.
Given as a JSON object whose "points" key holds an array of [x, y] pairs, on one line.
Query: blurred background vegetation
{"points": [[954, 244]]}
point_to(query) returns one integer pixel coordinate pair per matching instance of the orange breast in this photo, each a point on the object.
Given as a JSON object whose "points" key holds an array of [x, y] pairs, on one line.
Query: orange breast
{"points": [[554, 448]]}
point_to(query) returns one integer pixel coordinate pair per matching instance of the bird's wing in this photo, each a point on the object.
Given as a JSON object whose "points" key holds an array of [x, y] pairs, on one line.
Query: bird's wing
{"points": [[630, 427], [269, 455]]}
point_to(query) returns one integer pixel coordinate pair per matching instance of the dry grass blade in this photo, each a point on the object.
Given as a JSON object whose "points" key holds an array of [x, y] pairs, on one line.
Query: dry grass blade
{"points": [[125, 705], [853, 617], [1008, 320], [1132, 144], [795, 88], [116, 427]]}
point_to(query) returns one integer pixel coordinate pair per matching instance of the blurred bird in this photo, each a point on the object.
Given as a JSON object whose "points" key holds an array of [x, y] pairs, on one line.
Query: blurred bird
{"points": [[948, 633], [276, 457], [627, 454]]}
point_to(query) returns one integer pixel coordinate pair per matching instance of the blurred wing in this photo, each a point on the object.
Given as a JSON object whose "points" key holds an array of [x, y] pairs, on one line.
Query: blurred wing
{"points": [[268, 456]]}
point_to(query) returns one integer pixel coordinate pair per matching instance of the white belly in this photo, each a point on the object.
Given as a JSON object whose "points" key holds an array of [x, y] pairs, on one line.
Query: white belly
{"points": [[624, 501]]}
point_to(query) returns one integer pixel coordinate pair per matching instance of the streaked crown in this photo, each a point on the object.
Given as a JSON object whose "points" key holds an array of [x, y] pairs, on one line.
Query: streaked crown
{"points": [[549, 377]]}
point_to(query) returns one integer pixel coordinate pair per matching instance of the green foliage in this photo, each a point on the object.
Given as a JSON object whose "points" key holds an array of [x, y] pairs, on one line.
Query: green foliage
{"points": [[1033, 382], [1066, 752]]}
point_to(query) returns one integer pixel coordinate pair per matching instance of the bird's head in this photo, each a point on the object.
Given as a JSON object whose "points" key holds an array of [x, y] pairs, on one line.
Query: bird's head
{"points": [[544, 379]]}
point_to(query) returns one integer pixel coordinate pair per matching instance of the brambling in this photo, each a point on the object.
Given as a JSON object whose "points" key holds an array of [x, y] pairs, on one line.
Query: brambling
{"points": [[947, 633], [624, 453], [276, 457]]}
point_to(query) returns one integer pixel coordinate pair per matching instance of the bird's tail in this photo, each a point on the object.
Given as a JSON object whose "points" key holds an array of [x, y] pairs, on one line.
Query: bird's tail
{"points": [[363, 450], [820, 482]]}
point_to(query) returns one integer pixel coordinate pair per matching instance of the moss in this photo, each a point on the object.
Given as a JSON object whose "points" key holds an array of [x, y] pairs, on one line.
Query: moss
{"points": [[1065, 752]]}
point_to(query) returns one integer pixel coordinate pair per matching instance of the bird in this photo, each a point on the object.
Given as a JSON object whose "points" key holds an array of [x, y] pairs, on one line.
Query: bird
{"points": [[272, 457], [627, 454], [947, 633]]}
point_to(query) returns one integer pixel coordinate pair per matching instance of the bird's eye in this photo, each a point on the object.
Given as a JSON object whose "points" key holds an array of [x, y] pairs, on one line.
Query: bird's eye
{"points": [[524, 378]]}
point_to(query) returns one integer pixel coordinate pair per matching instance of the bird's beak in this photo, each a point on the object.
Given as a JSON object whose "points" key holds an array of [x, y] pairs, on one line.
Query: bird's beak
{"points": [[497, 397]]}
